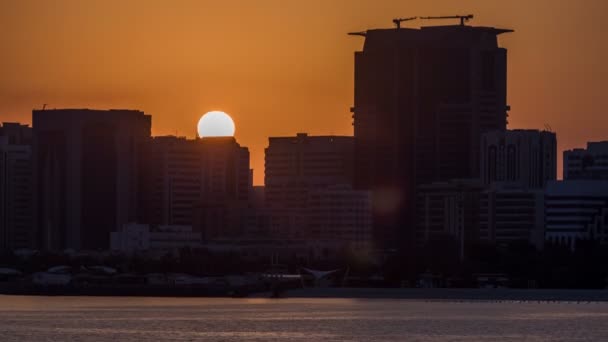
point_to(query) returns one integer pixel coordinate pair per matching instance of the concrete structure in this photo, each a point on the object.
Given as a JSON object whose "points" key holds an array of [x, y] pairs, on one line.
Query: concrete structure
{"points": [[142, 238], [509, 213], [170, 181], [524, 156], [341, 215], [590, 163], [226, 183], [576, 210], [423, 97], [309, 192], [85, 174], [448, 209], [296, 165], [16, 197]]}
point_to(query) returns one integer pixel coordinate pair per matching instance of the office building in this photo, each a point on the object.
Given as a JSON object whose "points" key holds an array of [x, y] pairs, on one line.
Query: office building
{"points": [[422, 99], [448, 210], [576, 210], [526, 157], [589, 163], [85, 174], [16, 197], [509, 213]]}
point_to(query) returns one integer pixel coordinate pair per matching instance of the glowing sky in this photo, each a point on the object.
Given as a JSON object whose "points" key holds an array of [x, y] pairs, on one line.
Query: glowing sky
{"points": [[281, 66]]}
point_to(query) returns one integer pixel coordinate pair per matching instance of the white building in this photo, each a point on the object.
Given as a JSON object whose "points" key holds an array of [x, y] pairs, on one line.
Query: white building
{"points": [[140, 237], [590, 163], [526, 157], [576, 210], [509, 213]]}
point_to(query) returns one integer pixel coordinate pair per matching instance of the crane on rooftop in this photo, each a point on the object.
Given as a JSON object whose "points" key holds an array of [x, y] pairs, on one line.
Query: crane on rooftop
{"points": [[463, 18], [398, 21]]}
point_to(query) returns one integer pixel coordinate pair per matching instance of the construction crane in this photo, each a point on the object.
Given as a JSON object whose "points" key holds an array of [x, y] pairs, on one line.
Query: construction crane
{"points": [[463, 18], [362, 33], [398, 21]]}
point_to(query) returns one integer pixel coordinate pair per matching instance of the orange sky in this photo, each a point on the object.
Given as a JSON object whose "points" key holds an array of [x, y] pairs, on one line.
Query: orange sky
{"points": [[281, 66]]}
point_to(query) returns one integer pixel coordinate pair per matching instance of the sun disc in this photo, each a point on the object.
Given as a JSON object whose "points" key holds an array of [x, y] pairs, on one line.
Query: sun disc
{"points": [[215, 124]]}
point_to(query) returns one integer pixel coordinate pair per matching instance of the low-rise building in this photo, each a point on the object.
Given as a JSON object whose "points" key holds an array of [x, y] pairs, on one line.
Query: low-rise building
{"points": [[576, 210], [589, 163], [141, 238], [509, 213]]}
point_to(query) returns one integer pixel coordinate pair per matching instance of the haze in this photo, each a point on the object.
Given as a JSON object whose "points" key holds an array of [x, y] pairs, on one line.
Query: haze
{"points": [[281, 67]]}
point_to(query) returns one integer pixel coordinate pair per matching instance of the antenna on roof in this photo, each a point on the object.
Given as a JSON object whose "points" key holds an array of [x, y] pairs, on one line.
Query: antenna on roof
{"points": [[398, 21], [44, 106], [463, 18]]}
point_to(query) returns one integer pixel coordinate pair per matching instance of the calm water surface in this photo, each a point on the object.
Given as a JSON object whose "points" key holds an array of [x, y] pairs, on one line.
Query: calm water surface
{"points": [[195, 319]]}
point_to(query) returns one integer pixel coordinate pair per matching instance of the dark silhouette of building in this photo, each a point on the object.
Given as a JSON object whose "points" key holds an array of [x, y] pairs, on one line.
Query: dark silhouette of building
{"points": [[309, 192], [222, 211], [16, 197], [170, 180], [589, 163], [524, 157], [85, 174], [422, 99]]}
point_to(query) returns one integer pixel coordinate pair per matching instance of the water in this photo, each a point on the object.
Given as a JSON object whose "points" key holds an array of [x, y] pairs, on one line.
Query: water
{"points": [[201, 319]]}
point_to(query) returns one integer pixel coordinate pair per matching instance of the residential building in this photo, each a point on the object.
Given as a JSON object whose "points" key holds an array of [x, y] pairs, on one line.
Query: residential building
{"points": [[16, 187], [526, 157], [589, 163], [422, 99], [85, 174]]}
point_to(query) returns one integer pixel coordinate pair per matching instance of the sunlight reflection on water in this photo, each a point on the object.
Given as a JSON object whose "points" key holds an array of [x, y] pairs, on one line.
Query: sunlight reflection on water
{"points": [[188, 319]]}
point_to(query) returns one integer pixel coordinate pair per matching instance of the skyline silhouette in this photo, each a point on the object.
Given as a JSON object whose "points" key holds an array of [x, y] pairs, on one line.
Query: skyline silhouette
{"points": [[280, 68]]}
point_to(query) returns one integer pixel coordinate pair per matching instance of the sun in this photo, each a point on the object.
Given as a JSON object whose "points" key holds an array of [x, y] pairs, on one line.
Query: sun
{"points": [[215, 124]]}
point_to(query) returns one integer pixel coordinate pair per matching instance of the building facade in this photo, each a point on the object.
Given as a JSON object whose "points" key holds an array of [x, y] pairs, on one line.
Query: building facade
{"points": [[170, 181], [16, 196], [589, 163], [510, 214], [576, 210], [85, 174], [422, 99], [226, 184], [134, 238], [448, 209], [526, 157]]}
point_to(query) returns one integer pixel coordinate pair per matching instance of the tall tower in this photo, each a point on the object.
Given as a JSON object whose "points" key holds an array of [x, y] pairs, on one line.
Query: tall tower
{"points": [[423, 97], [85, 174]]}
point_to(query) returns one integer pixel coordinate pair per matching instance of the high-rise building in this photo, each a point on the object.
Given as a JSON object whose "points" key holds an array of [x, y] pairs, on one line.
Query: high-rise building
{"points": [[85, 174], [15, 187], [423, 97], [576, 210], [226, 183], [523, 156], [590, 163], [295, 165], [170, 180], [309, 192]]}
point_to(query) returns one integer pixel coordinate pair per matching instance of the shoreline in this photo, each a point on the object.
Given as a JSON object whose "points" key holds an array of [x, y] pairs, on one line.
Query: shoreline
{"points": [[503, 294]]}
